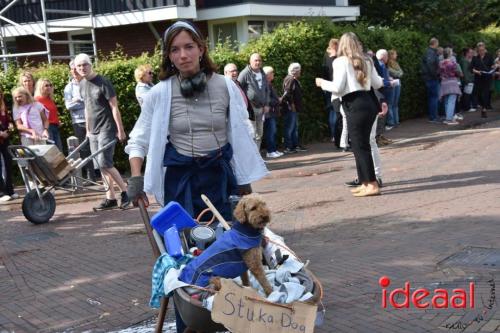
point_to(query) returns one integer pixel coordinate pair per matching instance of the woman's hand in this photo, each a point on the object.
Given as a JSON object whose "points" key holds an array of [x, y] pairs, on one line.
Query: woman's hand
{"points": [[121, 136], [135, 190], [318, 82], [384, 108]]}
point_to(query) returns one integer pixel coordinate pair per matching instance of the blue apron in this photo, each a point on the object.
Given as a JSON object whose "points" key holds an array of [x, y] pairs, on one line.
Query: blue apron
{"points": [[188, 177]]}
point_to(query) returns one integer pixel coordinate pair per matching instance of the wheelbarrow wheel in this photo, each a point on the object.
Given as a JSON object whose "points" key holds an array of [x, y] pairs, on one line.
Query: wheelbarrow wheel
{"points": [[35, 211]]}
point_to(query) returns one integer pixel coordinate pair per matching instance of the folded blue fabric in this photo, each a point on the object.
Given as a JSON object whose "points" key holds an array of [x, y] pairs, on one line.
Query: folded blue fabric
{"points": [[163, 264]]}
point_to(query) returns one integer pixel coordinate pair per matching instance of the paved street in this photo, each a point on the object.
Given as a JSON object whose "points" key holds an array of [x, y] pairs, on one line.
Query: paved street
{"points": [[437, 225]]}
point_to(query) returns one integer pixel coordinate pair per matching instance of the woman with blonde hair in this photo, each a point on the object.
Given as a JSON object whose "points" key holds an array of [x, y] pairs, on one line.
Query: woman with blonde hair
{"points": [[354, 76], [27, 81], [44, 94], [144, 77], [31, 118], [333, 102]]}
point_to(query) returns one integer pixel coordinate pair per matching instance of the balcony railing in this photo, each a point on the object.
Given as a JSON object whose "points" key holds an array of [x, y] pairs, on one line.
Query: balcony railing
{"points": [[27, 11], [202, 4]]}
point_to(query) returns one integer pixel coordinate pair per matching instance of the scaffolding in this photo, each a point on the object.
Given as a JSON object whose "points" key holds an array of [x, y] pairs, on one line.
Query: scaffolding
{"points": [[47, 26]]}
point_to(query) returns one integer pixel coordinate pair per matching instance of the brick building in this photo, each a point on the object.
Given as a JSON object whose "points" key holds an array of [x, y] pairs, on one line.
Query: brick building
{"points": [[138, 24]]}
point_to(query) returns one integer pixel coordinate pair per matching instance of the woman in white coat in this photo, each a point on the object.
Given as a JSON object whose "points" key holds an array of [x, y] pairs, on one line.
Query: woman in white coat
{"points": [[192, 128]]}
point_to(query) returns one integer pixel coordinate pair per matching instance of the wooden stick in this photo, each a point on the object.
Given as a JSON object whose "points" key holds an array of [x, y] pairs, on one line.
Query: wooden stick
{"points": [[161, 315], [156, 252], [215, 212]]}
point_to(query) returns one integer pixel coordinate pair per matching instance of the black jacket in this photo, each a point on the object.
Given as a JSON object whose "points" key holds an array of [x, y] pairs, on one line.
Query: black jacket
{"points": [[430, 65]]}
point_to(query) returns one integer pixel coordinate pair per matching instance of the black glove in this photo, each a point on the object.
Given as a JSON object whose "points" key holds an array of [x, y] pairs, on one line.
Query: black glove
{"points": [[135, 190]]}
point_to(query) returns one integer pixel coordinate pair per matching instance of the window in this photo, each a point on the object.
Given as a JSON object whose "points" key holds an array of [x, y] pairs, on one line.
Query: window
{"points": [[255, 29], [11, 46], [225, 32], [271, 25], [82, 48]]}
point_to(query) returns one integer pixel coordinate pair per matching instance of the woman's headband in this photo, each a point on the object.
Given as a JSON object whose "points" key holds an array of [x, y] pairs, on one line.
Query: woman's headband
{"points": [[180, 24]]}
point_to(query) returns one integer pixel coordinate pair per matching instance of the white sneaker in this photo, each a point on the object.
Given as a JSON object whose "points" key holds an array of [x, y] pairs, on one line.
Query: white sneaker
{"points": [[280, 153], [388, 128], [472, 110], [458, 116], [5, 198], [450, 122], [274, 154], [14, 196]]}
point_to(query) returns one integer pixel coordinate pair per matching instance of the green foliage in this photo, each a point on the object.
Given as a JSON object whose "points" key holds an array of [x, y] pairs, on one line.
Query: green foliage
{"points": [[304, 42], [431, 16]]}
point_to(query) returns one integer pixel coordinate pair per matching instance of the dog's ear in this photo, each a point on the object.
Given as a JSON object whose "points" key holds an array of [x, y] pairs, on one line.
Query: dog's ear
{"points": [[239, 212]]}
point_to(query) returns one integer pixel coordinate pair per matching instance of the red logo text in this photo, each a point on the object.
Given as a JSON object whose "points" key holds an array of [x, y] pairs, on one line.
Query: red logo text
{"points": [[423, 298]]}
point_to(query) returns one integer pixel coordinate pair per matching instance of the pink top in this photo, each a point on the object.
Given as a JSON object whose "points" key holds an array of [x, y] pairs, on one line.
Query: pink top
{"points": [[30, 117]]}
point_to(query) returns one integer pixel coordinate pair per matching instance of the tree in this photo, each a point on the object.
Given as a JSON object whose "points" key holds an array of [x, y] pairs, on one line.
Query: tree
{"points": [[430, 16]]}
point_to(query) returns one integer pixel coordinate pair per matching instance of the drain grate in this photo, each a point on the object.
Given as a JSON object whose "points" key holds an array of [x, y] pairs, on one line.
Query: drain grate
{"points": [[477, 257]]}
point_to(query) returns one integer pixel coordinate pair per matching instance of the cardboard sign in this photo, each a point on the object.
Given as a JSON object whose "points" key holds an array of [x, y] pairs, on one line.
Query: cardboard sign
{"points": [[243, 310]]}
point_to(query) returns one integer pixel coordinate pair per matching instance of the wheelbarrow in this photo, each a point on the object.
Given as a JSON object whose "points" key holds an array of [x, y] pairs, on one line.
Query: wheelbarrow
{"points": [[55, 171], [191, 310]]}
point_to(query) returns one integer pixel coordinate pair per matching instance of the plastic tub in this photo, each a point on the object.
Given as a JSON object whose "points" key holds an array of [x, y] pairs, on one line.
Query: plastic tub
{"points": [[170, 215]]}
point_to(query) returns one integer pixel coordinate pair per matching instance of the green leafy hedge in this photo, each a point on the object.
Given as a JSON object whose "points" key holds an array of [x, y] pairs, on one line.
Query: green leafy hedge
{"points": [[303, 42]]}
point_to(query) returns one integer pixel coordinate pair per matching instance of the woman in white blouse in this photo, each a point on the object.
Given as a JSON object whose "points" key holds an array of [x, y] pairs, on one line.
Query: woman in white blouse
{"points": [[193, 130], [354, 76]]}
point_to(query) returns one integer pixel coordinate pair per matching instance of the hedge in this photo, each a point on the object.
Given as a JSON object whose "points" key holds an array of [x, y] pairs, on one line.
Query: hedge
{"points": [[302, 41]]}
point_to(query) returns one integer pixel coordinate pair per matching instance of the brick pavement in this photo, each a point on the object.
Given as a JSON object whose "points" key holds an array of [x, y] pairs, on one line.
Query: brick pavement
{"points": [[91, 271]]}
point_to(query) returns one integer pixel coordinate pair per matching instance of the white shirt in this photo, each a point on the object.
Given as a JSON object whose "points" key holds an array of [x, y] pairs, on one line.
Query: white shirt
{"points": [[258, 78], [149, 137], [344, 78]]}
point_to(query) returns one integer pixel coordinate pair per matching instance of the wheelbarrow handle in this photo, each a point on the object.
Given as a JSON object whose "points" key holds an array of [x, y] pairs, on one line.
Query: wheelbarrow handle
{"points": [[154, 239], [157, 252]]}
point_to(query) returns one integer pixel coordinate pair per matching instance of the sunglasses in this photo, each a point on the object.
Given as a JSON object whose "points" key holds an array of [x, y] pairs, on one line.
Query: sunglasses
{"points": [[48, 85]]}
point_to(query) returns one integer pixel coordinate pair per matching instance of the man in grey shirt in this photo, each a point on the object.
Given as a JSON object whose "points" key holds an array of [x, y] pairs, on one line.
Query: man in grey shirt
{"points": [[103, 125], [74, 103], [253, 81]]}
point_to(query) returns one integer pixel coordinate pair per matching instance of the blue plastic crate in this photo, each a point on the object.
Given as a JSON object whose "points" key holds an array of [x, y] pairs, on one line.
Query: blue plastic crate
{"points": [[170, 215]]}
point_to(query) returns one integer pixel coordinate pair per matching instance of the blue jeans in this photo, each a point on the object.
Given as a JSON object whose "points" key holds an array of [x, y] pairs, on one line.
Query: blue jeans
{"points": [[291, 131], [393, 118], [389, 97], [449, 106], [432, 87], [270, 134], [332, 118], [55, 136]]}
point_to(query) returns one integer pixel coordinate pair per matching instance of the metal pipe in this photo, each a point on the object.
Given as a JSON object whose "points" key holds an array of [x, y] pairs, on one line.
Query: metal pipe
{"points": [[92, 31], [8, 6], [47, 38]]}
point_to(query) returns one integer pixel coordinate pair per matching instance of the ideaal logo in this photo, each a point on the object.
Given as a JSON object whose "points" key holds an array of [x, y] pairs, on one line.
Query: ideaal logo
{"points": [[423, 298]]}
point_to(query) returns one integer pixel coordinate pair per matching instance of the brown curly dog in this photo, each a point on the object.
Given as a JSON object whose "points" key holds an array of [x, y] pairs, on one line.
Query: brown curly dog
{"points": [[252, 210]]}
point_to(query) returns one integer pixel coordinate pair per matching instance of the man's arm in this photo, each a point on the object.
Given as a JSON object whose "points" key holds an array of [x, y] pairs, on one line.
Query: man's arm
{"points": [[71, 103], [113, 103]]}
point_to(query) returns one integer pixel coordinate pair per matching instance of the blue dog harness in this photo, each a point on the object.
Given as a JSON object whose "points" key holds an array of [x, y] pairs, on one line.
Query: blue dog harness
{"points": [[223, 258]]}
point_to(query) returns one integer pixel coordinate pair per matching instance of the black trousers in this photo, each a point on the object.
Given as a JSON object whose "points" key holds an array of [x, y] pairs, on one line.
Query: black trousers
{"points": [[6, 185], [361, 110]]}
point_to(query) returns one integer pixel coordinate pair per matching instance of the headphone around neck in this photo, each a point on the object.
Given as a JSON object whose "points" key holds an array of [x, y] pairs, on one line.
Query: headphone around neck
{"points": [[197, 83]]}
